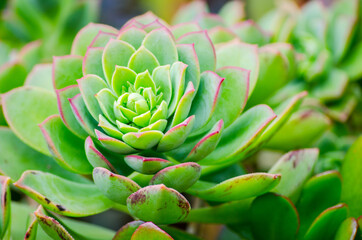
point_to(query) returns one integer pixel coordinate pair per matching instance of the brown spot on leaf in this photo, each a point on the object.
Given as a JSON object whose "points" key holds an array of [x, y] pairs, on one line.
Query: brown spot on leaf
{"points": [[60, 207], [47, 200], [138, 197]]}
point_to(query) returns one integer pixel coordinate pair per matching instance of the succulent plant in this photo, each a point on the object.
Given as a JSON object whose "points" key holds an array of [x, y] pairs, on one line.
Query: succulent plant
{"points": [[327, 39], [54, 22], [31, 32], [147, 110]]}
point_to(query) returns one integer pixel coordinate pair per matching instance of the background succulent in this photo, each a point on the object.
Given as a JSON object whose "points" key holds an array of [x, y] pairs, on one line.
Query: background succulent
{"points": [[31, 32], [122, 93]]}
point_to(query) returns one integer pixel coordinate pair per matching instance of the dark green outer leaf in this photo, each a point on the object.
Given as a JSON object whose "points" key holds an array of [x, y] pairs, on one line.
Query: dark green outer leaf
{"points": [[319, 193], [230, 212], [325, 226], [274, 217], [352, 181]]}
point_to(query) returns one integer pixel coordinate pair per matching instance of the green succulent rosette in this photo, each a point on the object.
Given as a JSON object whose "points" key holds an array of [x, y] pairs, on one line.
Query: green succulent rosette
{"points": [[147, 110]]}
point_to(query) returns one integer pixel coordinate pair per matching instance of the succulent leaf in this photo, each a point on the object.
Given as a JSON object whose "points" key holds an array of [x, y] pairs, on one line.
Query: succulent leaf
{"points": [[68, 198], [169, 205], [116, 187], [237, 188]]}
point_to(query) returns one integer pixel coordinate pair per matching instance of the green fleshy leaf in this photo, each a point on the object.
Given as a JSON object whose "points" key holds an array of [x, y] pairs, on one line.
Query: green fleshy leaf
{"points": [[109, 128], [146, 165], [115, 187], [23, 216], [176, 135], [95, 157], [179, 177], [89, 86], [190, 11], [183, 28], [24, 157], [81, 113], [150, 231], [132, 35], [327, 223], [232, 12], [162, 78], [347, 230], [66, 148], [351, 169], [351, 64], [12, 75], [235, 87], [51, 226], [144, 79], [249, 32], [160, 113], [92, 62], [143, 140], [5, 199], [67, 198], [31, 54], [159, 125], [125, 128], [295, 167], [31, 232], [340, 36], [126, 232], [207, 144], [162, 45], [273, 74], [210, 20], [240, 134], [184, 105], [283, 112], [240, 55], [204, 49], [66, 112], [36, 104], [121, 77], [66, 70], [221, 35], [187, 54], [333, 87], [113, 144], [225, 213], [169, 205], [301, 130], [206, 98], [237, 188], [106, 100], [319, 193], [86, 35], [102, 39], [147, 18], [177, 73], [116, 53], [40, 76], [273, 217], [143, 60]]}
